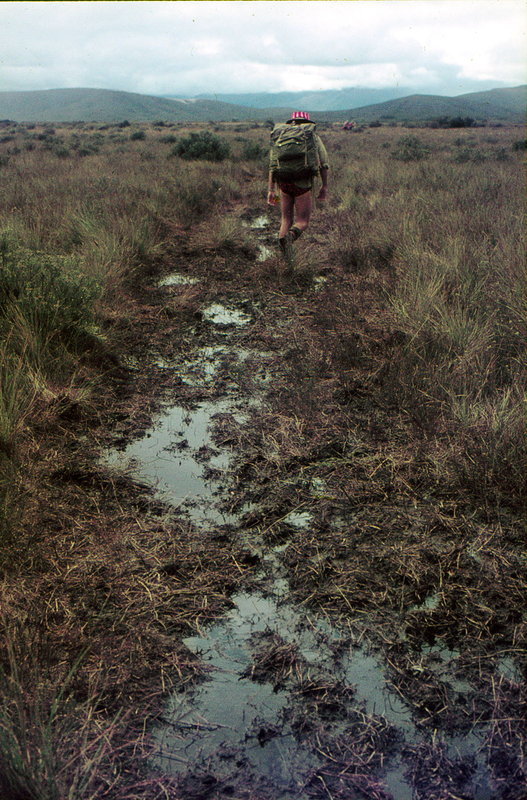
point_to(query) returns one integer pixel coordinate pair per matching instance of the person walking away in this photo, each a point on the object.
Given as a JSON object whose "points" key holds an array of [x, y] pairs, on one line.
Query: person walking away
{"points": [[297, 156]]}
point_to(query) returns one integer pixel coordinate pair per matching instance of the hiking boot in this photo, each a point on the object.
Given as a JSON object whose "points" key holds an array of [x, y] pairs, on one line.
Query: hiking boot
{"points": [[286, 246]]}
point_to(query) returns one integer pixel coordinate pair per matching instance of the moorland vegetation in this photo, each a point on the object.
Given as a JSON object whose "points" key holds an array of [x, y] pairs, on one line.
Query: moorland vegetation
{"points": [[432, 220]]}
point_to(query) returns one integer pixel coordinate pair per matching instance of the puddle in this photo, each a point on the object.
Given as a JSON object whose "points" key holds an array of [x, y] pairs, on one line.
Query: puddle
{"points": [[430, 603], [260, 222], [176, 279], [219, 314], [240, 725], [215, 363], [319, 281], [230, 712], [207, 364], [366, 674], [508, 669], [264, 252], [231, 719], [397, 785], [298, 519], [179, 458]]}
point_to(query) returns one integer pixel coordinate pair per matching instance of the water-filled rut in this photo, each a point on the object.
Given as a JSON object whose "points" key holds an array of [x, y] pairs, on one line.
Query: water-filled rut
{"points": [[287, 697]]}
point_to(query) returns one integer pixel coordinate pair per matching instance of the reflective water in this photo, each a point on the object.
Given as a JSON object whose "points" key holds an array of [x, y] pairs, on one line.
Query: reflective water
{"points": [[260, 222], [219, 314], [230, 712], [177, 279], [178, 457], [264, 252], [230, 718]]}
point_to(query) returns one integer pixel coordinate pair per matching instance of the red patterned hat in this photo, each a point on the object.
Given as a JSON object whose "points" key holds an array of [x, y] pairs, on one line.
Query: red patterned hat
{"points": [[300, 115]]}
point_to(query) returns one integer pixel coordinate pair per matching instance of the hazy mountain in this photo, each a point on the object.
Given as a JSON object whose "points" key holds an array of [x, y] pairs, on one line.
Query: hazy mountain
{"points": [[332, 100], [508, 105], [102, 105]]}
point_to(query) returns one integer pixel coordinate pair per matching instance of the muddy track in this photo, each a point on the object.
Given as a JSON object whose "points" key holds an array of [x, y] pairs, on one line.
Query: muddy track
{"points": [[344, 667], [333, 624]]}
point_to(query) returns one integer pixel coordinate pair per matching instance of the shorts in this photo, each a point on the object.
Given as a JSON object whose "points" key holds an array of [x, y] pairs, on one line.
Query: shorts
{"points": [[293, 190]]}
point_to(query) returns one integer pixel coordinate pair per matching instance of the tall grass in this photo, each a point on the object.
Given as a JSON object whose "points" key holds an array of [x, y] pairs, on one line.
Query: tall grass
{"points": [[51, 746], [452, 235]]}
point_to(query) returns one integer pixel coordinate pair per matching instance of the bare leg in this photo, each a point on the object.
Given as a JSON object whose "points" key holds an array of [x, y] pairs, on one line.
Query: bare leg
{"points": [[303, 206], [287, 207]]}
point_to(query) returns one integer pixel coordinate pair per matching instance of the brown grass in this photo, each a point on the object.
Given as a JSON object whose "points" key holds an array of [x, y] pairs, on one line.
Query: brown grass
{"points": [[392, 415]]}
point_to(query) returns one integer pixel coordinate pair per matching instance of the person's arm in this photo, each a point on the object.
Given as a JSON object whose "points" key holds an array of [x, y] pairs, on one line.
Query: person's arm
{"points": [[324, 169], [271, 190], [323, 193]]}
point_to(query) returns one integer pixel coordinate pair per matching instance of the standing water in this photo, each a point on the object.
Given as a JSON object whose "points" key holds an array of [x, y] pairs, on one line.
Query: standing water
{"points": [[246, 725]]}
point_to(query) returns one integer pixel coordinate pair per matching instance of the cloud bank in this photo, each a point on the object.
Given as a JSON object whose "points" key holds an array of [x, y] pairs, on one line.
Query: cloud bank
{"points": [[188, 48]]}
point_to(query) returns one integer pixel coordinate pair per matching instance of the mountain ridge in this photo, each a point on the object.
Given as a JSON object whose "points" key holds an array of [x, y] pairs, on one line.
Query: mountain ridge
{"points": [[107, 105]]}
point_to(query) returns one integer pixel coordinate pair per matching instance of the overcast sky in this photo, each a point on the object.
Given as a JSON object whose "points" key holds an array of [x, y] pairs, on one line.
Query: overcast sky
{"points": [[186, 48]]}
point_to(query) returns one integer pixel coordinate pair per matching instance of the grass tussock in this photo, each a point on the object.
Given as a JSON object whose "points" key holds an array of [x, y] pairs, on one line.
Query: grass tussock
{"points": [[51, 747]]}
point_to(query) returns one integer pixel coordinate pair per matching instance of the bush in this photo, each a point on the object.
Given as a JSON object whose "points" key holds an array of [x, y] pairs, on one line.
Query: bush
{"points": [[253, 151], [48, 296], [137, 136], [453, 122], [61, 151], [204, 146], [468, 154], [410, 148]]}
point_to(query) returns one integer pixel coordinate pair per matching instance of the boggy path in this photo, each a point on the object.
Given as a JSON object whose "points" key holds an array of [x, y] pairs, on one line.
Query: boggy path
{"points": [[353, 657], [246, 553]]}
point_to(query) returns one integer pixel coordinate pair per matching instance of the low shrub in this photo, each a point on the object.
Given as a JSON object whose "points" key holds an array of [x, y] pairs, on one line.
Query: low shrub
{"points": [[46, 303], [253, 151], [467, 155], [203, 146], [410, 148]]}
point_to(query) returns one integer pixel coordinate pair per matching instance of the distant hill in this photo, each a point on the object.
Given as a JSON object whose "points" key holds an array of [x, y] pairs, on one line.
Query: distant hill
{"points": [[103, 105], [506, 105], [328, 100]]}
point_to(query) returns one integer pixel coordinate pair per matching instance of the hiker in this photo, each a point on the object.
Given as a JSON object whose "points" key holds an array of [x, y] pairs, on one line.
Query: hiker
{"points": [[297, 156]]}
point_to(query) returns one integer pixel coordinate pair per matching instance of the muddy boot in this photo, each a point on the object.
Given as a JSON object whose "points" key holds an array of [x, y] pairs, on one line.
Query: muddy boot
{"points": [[286, 246], [295, 233]]}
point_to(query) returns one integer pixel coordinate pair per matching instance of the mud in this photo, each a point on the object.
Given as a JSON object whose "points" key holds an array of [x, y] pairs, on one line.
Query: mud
{"points": [[318, 682]]}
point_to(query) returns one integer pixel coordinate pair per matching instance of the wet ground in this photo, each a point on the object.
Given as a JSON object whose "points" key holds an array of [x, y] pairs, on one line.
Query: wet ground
{"points": [[295, 703]]}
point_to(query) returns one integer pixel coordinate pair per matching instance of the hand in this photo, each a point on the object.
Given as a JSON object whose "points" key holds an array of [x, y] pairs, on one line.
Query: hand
{"points": [[272, 198]]}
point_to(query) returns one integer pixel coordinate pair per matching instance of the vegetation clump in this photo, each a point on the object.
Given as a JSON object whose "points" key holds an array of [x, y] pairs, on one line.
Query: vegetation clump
{"points": [[203, 146], [453, 122], [410, 148]]}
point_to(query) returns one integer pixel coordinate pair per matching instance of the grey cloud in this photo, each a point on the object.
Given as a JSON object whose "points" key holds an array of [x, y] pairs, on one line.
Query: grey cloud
{"points": [[193, 47]]}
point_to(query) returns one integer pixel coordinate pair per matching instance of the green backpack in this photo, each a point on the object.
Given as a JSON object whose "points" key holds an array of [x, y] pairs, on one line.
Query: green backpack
{"points": [[294, 152]]}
